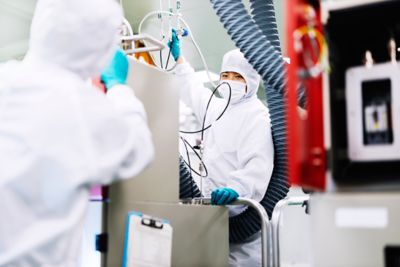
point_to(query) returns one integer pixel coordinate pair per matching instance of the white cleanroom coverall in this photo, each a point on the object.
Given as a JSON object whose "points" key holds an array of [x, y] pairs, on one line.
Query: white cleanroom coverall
{"points": [[59, 135], [238, 148]]}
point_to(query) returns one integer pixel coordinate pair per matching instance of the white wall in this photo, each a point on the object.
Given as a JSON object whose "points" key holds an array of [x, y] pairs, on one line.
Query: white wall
{"points": [[16, 15], [15, 20]]}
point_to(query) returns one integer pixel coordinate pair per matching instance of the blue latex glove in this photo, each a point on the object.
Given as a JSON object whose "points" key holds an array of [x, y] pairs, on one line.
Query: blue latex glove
{"points": [[117, 70], [223, 196], [175, 45]]}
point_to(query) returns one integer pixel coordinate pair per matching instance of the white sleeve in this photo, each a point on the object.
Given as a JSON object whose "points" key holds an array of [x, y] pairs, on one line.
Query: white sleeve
{"points": [[256, 156], [192, 91], [122, 141]]}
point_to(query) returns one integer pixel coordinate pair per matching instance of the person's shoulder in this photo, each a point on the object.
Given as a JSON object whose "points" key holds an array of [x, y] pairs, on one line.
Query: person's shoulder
{"points": [[256, 110], [9, 70], [4, 66], [93, 100]]}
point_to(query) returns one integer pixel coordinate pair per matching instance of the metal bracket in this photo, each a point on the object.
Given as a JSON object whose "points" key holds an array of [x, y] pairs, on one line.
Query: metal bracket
{"points": [[154, 44]]}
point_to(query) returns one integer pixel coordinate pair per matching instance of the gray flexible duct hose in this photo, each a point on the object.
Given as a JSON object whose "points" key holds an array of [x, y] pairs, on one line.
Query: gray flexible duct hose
{"points": [[247, 36], [261, 52], [187, 186], [267, 61], [264, 16], [263, 13]]}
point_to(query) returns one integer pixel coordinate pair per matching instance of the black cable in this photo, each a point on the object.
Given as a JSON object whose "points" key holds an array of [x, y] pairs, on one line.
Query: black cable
{"points": [[161, 60], [186, 143], [203, 129], [208, 104], [169, 54], [198, 156]]}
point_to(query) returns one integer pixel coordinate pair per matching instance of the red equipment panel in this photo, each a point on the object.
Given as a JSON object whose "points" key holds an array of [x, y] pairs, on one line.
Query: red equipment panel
{"points": [[306, 49]]}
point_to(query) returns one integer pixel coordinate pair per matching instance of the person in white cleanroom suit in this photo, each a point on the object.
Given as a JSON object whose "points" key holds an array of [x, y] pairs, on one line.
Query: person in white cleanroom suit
{"points": [[238, 148], [59, 135]]}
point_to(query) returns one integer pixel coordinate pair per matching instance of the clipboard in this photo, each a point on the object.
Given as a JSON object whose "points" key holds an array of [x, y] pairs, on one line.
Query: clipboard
{"points": [[148, 241]]}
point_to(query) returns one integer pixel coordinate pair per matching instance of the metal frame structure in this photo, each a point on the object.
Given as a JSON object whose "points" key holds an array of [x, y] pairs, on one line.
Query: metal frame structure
{"points": [[156, 45], [275, 220]]}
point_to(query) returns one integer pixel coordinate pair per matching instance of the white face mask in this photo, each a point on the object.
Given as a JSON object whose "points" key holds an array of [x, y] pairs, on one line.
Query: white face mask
{"points": [[238, 90]]}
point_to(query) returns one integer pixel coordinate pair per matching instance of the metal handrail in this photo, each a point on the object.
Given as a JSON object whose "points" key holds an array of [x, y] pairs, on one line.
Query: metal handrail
{"points": [[266, 250], [276, 216]]}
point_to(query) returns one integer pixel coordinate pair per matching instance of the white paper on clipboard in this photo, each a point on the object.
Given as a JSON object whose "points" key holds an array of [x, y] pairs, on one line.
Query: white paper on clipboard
{"points": [[148, 242]]}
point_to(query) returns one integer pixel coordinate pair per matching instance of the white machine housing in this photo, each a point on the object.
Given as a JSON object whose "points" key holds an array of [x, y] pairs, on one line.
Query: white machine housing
{"points": [[358, 150]]}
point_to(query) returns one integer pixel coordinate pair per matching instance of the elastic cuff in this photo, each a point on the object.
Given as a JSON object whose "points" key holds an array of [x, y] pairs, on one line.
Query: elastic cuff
{"points": [[176, 57], [112, 84]]}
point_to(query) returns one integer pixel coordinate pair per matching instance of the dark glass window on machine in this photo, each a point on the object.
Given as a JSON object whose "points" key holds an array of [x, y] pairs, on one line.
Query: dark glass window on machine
{"points": [[350, 33], [377, 117]]}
